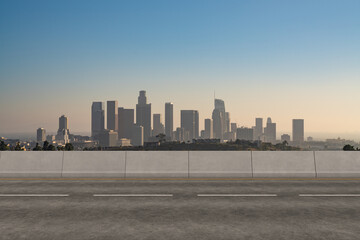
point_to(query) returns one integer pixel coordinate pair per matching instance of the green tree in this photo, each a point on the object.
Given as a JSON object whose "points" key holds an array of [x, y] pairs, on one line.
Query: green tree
{"points": [[348, 147], [18, 147], [69, 147], [161, 138], [51, 148], [37, 147], [3, 146], [60, 148], [45, 145]]}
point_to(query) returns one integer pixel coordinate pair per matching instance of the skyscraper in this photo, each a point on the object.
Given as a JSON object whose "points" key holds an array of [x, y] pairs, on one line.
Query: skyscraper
{"points": [[298, 131], [218, 116], [63, 131], [208, 128], [227, 122], [190, 123], [40, 135], [270, 131], [158, 127], [169, 120], [143, 114], [97, 118], [258, 129], [234, 128], [137, 138], [125, 123], [112, 115]]}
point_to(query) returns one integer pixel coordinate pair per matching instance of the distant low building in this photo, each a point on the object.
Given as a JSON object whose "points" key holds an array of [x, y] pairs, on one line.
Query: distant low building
{"points": [[245, 133], [285, 137]]}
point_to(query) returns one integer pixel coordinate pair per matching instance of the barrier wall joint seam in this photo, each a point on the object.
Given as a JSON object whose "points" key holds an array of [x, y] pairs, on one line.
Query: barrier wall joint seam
{"points": [[315, 164]]}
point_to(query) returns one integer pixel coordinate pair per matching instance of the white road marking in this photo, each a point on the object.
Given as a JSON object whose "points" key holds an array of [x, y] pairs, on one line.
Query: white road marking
{"points": [[237, 195], [132, 195], [34, 195], [329, 195]]}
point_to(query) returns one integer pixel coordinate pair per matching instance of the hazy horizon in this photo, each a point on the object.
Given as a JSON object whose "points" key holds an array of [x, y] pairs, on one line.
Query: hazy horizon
{"points": [[278, 59]]}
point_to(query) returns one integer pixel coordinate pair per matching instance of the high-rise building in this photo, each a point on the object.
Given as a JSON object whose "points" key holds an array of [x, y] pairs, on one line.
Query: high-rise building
{"points": [[143, 114], [298, 131], [208, 128], [227, 122], [218, 116], [97, 118], [112, 115], [40, 135], [180, 134], [125, 123], [258, 129], [285, 137], [233, 127], [270, 131], [63, 131], [158, 127], [244, 133], [169, 120], [190, 123], [137, 135]]}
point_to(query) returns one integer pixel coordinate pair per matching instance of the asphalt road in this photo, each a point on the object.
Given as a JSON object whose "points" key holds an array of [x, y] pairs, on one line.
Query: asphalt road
{"points": [[223, 209]]}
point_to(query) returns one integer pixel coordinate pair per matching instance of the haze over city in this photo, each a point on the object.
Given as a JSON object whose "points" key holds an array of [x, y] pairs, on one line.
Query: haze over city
{"points": [[277, 59]]}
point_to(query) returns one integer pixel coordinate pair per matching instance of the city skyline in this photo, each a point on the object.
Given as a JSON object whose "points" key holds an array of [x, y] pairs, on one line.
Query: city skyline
{"points": [[281, 60]]}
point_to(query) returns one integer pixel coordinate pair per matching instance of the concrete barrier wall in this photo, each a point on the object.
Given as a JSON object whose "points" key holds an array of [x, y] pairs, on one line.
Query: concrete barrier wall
{"points": [[171, 164], [30, 164], [94, 164], [180, 164], [337, 164], [229, 164], [283, 164]]}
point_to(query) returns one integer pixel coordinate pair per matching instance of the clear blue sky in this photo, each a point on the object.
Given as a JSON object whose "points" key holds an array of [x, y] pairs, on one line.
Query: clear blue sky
{"points": [[283, 59]]}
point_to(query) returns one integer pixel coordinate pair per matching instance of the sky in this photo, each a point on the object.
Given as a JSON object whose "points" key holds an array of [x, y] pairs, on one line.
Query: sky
{"points": [[265, 58]]}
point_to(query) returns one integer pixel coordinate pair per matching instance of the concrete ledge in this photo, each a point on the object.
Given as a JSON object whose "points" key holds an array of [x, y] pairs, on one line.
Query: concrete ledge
{"points": [[30, 164], [94, 164], [231, 164], [283, 164], [337, 164], [162, 164]]}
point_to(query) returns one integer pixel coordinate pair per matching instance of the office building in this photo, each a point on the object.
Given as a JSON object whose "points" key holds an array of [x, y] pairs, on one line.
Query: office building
{"points": [[40, 135], [270, 131], [244, 133], [137, 135], [190, 123], [143, 114], [125, 122], [218, 116], [169, 120], [285, 137], [233, 127], [63, 132], [180, 134], [258, 129], [50, 138], [112, 115], [97, 118], [227, 122], [108, 138], [298, 131], [158, 127], [208, 132]]}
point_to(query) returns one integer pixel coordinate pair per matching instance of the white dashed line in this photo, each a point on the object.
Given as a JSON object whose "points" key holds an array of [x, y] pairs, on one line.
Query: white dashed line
{"points": [[34, 195], [329, 195], [237, 195], [132, 195]]}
